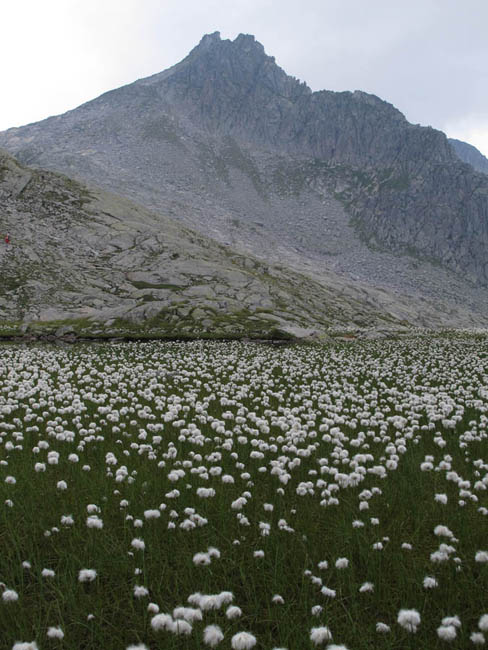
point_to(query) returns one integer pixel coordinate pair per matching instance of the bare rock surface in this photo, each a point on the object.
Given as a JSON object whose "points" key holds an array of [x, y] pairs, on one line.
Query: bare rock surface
{"points": [[85, 261]]}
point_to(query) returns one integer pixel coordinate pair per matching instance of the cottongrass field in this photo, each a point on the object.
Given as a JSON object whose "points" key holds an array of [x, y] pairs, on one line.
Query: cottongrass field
{"points": [[230, 495]]}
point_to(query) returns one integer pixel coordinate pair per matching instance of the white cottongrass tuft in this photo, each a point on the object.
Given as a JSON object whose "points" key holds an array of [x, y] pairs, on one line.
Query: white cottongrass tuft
{"points": [[139, 646], [181, 626], [233, 612], [212, 635], [477, 638], [207, 602], [409, 619], [52, 457], [342, 563], [25, 645], [483, 623], [10, 596], [441, 498], [87, 575], [278, 600], [320, 635], [48, 573], [481, 556], [152, 514], [166, 622], [67, 520], [382, 628], [317, 610], [55, 633], [93, 521], [443, 531], [329, 593], [140, 592], [366, 587], [189, 614], [430, 582], [451, 620], [138, 544], [162, 622], [243, 641], [446, 632]]}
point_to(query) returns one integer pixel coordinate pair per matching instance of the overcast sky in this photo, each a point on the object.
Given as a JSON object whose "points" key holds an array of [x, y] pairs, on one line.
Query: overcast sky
{"points": [[427, 57]]}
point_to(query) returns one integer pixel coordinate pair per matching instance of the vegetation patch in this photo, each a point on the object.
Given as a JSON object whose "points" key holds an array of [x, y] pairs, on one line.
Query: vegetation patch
{"points": [[194, 495]]}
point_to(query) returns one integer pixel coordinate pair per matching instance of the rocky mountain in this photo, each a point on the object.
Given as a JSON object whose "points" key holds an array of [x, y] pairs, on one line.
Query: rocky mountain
{"points": [[338, 188], [469, 154]]}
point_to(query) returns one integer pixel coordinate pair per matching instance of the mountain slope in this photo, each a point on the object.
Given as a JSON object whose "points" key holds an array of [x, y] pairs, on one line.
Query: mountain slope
{"points": [[229, 144], [469, 154], [103, 265]]}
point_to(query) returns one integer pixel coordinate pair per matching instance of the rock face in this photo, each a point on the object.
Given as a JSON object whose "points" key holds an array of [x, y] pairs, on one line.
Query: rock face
{"points": [[469, 154], [337, 186], [84, 261]]}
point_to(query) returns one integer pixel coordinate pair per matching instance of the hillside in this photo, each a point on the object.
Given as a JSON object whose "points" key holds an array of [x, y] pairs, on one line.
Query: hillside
{"points": [[88, 261]]}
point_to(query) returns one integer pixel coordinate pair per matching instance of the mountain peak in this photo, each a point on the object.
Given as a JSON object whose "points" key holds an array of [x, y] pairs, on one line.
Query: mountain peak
{"points": [[247, 42], [209, 39], [243, 43]]}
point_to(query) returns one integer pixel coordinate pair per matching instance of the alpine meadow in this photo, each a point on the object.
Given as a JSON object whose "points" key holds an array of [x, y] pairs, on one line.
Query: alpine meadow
{"points": [[233, 495]]}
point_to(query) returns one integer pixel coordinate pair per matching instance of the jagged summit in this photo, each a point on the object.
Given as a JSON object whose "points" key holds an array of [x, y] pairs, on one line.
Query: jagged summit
{"points": [[246, 42], [208, 39]]}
